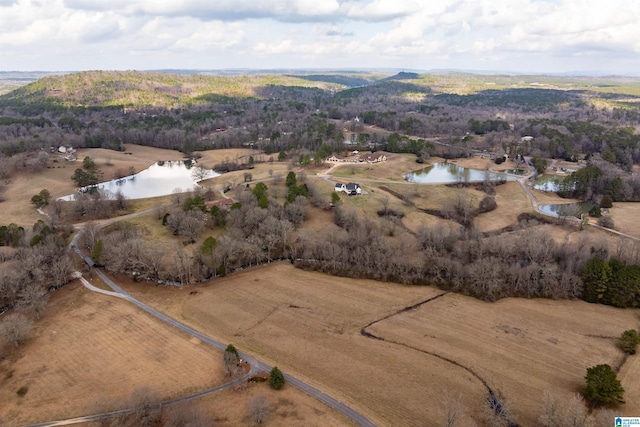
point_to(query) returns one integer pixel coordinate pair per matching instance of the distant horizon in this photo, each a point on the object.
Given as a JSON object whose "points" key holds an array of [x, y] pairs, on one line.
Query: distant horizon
{"points": [[284, 70]]}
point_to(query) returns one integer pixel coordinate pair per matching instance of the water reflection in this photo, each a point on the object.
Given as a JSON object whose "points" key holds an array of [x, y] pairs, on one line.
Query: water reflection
{"points": [[450, 173], [160, 179], [568, 209], [548, 183]]}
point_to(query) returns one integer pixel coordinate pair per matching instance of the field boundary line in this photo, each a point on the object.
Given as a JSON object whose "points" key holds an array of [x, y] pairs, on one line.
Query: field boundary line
{"points": [[494, 401]]}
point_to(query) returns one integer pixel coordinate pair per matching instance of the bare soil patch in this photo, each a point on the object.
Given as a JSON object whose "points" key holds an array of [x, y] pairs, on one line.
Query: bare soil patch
{"points": [[309, 325]]}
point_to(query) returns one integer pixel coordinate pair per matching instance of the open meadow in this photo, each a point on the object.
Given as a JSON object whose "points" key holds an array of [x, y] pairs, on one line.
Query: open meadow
{"points": [[89, 352], [310, 325]]}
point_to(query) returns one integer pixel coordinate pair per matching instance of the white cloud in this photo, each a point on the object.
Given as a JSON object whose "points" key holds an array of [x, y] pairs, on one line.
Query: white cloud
{"points": [[380, 33]]}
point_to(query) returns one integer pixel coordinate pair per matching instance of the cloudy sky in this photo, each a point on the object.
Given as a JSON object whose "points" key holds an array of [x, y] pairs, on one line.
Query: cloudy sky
{"points": [[585, 36]]}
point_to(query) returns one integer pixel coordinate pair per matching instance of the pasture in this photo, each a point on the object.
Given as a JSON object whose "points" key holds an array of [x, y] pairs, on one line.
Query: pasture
{"points": [[90, 351], [310, 325]]}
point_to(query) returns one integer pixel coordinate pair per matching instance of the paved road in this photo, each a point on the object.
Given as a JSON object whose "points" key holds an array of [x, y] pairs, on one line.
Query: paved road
{"points": [[257, 366]]}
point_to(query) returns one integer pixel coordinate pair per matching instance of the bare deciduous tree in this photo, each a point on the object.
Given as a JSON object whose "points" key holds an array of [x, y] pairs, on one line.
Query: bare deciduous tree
{"points": [[557, 413], [258, 409], [185, 414], [452, 410], [15, 329], [146, 405], [33, 297]]}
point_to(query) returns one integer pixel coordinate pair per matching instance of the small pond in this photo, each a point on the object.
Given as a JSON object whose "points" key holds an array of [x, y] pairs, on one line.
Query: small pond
{"points": [[567, 209], [548, 183], [450, 173], [160, 179]]}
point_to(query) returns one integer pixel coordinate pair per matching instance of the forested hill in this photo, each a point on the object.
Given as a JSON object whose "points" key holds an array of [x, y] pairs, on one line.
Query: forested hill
{"points": [[155, 89]]}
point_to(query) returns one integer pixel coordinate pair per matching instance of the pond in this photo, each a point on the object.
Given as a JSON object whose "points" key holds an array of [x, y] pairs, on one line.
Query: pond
{"points": [[548, 183], [567, 209], [160, 179], [450, 173]]}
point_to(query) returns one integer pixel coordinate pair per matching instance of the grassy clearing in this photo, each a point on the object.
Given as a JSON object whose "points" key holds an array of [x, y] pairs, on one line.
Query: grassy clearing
{"points": [[625, 217], [309, 324], [512, 201], [90, 351], [392, 170], [521, 347]]}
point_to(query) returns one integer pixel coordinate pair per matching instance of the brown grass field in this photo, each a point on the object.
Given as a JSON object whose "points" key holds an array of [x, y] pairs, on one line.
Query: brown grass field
{"points": [[309, 325], [625, 217], [90, 351]]}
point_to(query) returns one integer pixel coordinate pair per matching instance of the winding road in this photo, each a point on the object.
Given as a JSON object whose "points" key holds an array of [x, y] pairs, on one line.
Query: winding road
{"points": [[256, 365]]}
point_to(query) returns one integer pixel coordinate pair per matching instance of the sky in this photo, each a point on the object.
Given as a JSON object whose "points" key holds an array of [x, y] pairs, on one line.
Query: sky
{"points": [[519, 36]]}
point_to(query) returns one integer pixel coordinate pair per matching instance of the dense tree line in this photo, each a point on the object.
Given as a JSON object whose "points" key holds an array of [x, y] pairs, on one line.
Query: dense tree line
{"points": [[598, 180], [520, 263], [38, 264], [257, 229], [611, 282]]}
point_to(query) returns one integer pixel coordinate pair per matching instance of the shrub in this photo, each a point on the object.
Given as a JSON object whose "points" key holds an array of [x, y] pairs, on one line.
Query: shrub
{"points": [[258, 409], [276, 378], [595, 212], [22, 391], [628, 341], [606, 222], [606, 202], [487, 204], [15, 329]]}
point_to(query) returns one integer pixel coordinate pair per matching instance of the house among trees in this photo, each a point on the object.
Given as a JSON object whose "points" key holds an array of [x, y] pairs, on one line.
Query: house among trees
{"points": [[341, 159], [373, 157], [67, 153], [527, 138], [358, 158]]}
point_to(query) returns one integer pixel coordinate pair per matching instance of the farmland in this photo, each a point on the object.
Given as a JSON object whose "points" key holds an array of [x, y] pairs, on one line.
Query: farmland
{"points": [[392, 330], [91, 352], [310, 324]]}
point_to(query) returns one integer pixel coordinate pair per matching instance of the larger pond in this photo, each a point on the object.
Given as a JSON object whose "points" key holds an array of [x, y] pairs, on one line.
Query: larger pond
{"points": [[160, 179], [567, 209], [450, 173]]}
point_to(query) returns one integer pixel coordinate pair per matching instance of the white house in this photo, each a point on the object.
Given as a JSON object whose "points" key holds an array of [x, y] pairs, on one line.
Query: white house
{"points": [[351, 188]]}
